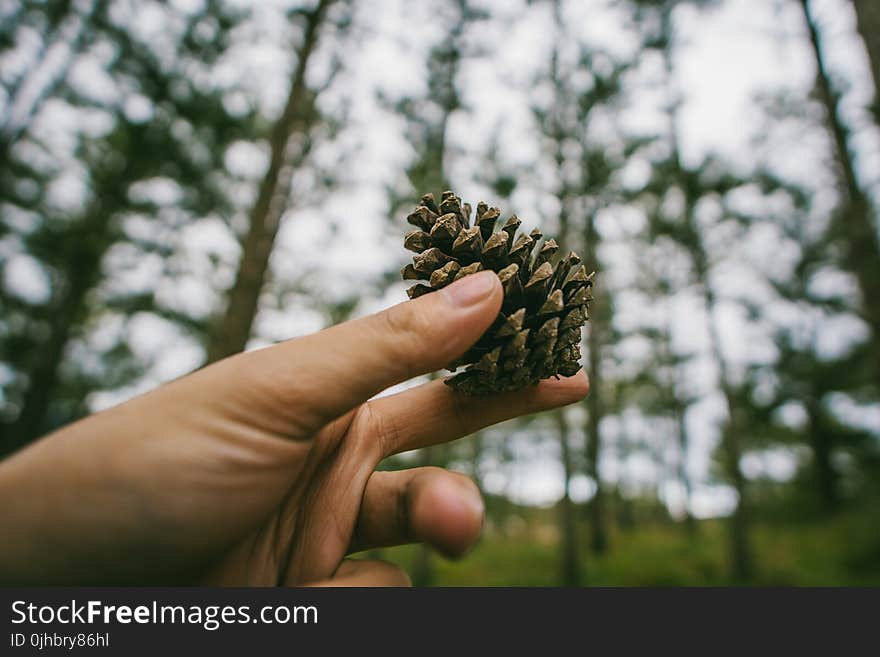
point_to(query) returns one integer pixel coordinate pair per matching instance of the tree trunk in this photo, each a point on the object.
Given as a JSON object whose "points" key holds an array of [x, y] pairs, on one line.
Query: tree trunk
{"points": [[595, 340], [854, 223], [683, 477], [868, 22], [558, 133], [740, 548], [234, 329], [740, 552], [599, 536], [32, 420], [823, 448], [570, 570], [679, 416]]}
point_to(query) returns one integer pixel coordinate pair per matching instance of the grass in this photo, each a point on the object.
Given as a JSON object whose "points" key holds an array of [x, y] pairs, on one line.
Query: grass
{"points": [[841, 551]]}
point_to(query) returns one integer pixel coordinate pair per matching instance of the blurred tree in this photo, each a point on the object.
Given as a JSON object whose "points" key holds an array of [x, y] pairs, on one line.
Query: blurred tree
{"points": [[289, 143], [806, 378], [65, 26], [551, 120], [678, 190], [181, 136], [595, 190], [692, 186], [583, 85], [427, 116], [26, 87], [570, 563], [868, 23], [659, 385], [853, 225]]}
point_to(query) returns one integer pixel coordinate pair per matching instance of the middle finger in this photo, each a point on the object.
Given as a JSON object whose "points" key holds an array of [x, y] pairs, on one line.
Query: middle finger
{"points": [[435, 413]]}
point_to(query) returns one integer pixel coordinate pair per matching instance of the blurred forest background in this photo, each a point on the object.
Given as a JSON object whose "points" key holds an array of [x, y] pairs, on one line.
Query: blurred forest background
{"points": [[182, 180]]}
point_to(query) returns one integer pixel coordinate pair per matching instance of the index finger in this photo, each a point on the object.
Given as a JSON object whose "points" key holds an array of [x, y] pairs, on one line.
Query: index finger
{"points": [[434, 413]]}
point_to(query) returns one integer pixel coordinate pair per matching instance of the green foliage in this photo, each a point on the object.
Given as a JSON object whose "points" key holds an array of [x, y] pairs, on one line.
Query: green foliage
{"points": [[181, 139], [843, 552]]}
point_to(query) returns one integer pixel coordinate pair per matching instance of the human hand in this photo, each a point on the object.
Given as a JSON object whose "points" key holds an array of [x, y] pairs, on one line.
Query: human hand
{"points": [[261, 468]]}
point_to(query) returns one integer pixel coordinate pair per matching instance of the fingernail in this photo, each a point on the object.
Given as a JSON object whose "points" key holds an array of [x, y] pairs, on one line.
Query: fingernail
{"points": [[471, 289]]}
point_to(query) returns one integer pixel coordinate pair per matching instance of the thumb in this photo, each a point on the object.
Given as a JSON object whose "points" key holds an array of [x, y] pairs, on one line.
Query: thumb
{"points": [[321, 376]]}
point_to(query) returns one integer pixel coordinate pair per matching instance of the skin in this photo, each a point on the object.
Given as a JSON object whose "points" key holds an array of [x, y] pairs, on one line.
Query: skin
{"points": [[261, 469]]}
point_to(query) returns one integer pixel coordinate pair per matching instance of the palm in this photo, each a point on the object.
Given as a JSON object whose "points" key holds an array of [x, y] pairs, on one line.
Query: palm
{"points": [[312, 526]]}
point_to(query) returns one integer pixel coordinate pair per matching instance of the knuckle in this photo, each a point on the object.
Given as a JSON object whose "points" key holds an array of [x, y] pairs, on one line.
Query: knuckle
{"points": [[379, 428]]}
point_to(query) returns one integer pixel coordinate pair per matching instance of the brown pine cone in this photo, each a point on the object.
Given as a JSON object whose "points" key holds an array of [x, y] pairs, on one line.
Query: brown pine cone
{"points": [[537, 333]]}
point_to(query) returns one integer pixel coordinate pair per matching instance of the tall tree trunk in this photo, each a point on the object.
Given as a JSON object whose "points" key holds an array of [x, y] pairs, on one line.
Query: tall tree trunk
{"points": [[679, 416], [234, 328], [854, 223], [868, 22], [32, 420], [42, 377], [739, 526], [821, 440], [679, 412], [683, 477], [740, 548], [599, 534], [560, 132], [740, 551], [595, 340], [570, 569]]}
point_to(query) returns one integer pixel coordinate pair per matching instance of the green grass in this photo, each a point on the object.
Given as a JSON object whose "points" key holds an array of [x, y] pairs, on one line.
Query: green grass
{"points": [[842, 551]]}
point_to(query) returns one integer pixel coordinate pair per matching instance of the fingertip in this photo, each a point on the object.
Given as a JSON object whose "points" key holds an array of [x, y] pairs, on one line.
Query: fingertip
{"points": [[555, 393], [573, 388], [449, 514]]}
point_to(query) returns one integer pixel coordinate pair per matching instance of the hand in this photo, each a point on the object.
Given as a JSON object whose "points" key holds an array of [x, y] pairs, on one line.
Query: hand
{"points": [[261, 469]]}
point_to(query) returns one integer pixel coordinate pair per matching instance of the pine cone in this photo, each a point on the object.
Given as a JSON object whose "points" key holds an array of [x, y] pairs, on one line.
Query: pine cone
{"points": [[537, 334]]}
